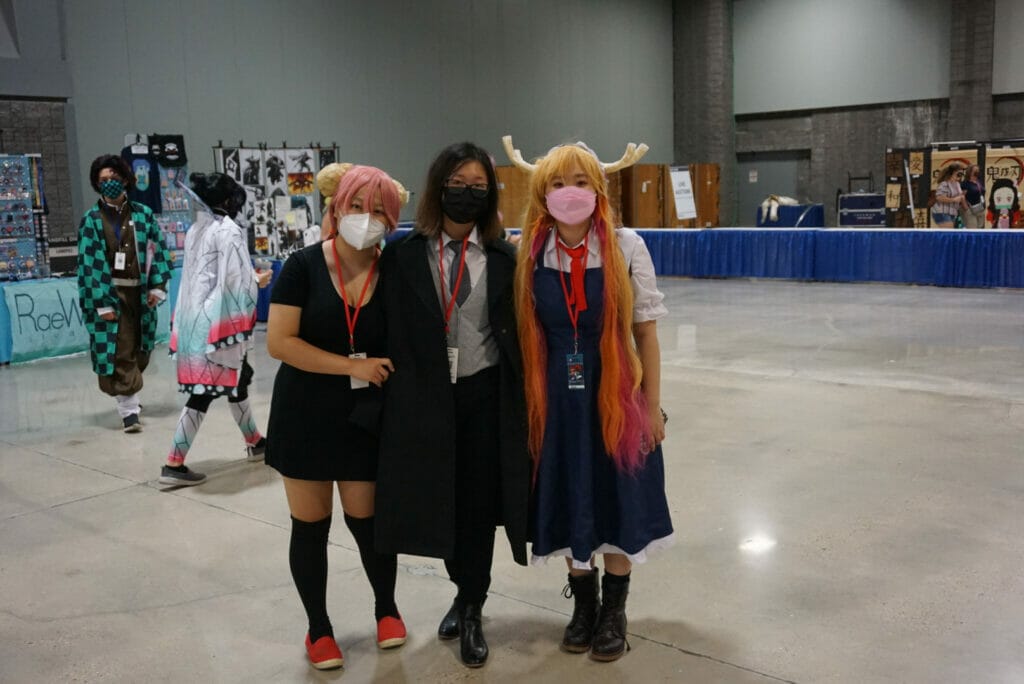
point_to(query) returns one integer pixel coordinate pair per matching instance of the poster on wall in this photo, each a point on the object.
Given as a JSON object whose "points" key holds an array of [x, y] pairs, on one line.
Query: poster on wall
{"points": [[276, 172], [1003, 172], [230, 163], [906, 188], [252, 165], [299, 164]]}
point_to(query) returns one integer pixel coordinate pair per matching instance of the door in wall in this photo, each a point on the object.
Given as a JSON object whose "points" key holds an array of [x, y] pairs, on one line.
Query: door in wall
{"points": [[760, 174]]}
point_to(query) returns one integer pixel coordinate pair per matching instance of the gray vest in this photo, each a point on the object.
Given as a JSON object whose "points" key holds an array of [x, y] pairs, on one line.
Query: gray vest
{"points": [[470, 325]]}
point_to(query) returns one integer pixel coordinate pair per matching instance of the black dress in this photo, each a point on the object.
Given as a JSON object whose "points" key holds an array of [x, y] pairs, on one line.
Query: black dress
{"points": [[319, 427]]}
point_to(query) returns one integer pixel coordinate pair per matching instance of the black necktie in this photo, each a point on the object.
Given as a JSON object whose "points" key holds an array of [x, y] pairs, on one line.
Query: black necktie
{"points": [[453, 274]]}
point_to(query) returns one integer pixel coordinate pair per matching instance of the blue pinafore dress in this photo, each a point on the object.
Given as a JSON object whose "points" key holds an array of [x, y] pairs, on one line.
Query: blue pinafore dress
{"points": [[583, 504]]}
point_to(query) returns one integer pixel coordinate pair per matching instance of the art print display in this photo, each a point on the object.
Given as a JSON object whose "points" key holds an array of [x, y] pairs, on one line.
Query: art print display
{"points": [[282, 201], [1003, 173]]}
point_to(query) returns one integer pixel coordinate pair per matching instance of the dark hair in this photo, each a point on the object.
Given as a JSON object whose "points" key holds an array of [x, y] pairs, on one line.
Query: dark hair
{"points": [[115, 164], [1003, 183], [218, 191], [430, 217]]}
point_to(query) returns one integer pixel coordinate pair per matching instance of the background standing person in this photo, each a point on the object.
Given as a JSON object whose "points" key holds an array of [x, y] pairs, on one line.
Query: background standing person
{"points": [[211, 333], [974, 192], [453, 459], [950, 199], [123, 271], [588, 304], [327, 328]]}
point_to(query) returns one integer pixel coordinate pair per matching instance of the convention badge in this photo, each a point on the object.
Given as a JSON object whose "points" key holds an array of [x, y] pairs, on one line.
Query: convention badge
{"points": [[574, 364], [356, 382], [453, 363], [119, 261]]}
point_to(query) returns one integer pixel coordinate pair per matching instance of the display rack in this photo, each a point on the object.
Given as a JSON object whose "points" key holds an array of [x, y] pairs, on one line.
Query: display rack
{"points": [[23, 229], [282, 200]]}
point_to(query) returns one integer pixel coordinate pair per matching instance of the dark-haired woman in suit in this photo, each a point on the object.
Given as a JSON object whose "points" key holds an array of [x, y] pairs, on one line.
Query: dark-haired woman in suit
{"points": [[453, 459]]}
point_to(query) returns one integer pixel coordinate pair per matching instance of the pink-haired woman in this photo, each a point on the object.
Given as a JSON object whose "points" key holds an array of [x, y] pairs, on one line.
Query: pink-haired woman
{"points": [[587, 303], [327, 329]]}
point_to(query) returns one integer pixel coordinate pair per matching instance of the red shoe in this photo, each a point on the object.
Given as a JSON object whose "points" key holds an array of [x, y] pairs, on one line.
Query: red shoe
{"points": [[324, 654], [390, 632]]}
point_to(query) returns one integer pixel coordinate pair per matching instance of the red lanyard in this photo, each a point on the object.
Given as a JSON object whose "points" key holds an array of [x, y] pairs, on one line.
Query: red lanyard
{"points": [[450, 306], [570, 303], [351, 318]]}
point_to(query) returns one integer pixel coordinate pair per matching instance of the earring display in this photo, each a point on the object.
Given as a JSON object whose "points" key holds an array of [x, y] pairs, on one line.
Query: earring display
{"points": [[22, 223]]}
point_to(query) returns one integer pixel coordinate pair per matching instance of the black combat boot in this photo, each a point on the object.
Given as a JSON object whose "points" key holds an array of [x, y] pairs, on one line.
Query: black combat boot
{"points": [[610, 634], [580, 630]]}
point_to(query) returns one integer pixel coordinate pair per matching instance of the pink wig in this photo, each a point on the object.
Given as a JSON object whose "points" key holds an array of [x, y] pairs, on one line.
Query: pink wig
{"points": [[377, 184]]}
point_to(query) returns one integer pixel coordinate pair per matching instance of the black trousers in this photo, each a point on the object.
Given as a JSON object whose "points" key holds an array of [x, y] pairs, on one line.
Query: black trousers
{"points": [[201, 402], [477, 483]]}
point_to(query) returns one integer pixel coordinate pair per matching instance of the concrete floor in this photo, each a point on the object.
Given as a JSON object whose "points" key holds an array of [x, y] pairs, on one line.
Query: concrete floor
{"points": [[844, 467]]}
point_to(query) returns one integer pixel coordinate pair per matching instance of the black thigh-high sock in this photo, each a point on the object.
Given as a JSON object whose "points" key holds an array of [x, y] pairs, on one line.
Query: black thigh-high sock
{"points": [[380, 567], [307, 556]]}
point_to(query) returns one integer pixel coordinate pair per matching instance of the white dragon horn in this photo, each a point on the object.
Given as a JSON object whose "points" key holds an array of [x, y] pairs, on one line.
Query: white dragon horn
{"points": [[516, 157], [630, 157]]}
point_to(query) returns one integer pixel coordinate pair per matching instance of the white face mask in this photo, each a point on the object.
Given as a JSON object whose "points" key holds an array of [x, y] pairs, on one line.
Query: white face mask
{"points": [[360, 230]]}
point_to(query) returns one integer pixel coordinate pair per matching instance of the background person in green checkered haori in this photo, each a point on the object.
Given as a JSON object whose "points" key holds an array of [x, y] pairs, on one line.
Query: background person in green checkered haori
{"points": [[123, 271]]}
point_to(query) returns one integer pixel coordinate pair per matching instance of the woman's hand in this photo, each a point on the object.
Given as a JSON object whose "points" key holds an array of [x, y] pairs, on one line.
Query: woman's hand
{"points": [[374, 371], [657, 424], [109, 316], [263, 278]]}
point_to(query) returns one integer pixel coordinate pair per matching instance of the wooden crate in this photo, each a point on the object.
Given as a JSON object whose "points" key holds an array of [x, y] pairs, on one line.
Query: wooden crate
{"points": [[648, 201], [513, 195], [704, 178]]}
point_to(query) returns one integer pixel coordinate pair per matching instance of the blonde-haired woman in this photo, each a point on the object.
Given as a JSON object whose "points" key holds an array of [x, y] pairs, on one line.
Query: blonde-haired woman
{"points": [[327, 328], [587, 303]]}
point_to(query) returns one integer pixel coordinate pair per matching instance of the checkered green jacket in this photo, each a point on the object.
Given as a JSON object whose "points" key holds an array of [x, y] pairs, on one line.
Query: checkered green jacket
{"points": [[96, 291]]}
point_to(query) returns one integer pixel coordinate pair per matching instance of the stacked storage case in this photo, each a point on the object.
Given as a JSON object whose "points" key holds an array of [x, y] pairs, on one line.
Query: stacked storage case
{"points": [[861, 210]]}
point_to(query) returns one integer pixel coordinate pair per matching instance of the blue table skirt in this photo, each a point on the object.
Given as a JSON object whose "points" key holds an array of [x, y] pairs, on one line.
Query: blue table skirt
{"points": [[951, 258]]}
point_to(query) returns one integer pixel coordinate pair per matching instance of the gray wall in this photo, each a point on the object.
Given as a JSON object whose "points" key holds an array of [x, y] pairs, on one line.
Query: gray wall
{"points": [[40, 70], [1008, 58], [390, 81], [796, 54]]}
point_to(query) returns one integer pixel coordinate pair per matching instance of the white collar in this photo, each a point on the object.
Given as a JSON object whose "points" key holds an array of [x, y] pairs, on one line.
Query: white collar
{"points": [[593, 244], [474, 237]]}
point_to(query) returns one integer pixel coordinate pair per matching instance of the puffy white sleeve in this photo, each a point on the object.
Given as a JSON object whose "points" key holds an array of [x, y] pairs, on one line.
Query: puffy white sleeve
{"points": [[647, 298]]}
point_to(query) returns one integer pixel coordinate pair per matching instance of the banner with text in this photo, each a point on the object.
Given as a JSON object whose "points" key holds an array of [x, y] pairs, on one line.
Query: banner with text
{"points": [[46, 321]]}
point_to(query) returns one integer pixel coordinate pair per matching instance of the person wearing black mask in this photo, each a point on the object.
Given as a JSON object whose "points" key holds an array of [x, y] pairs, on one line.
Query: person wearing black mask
{"points": [[123, 272], [453, 457], [213, 323]]}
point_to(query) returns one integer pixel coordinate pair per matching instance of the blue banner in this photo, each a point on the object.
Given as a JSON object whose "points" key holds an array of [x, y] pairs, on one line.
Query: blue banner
{"points": [[45, 319], [41, 318]]}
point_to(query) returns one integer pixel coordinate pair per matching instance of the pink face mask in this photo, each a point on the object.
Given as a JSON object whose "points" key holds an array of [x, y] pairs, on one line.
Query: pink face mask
{"points": [[571, 205]]}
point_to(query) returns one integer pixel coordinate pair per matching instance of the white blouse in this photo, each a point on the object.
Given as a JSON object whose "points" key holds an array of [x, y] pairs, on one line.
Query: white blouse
{"points": [[647, 299]]}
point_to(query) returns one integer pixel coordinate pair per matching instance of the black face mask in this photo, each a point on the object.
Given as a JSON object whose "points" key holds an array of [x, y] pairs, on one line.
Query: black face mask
{"points": [[462, 207]]}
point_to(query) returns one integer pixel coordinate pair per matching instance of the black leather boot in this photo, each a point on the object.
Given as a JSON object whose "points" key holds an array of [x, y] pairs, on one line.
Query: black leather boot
{"points": [[580, 630], [472, 646], [610, 634], [449, 627]]}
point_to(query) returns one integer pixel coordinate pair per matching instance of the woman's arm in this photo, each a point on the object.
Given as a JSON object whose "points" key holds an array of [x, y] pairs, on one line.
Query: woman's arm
{"points": [[284, 344], [646, 336]]}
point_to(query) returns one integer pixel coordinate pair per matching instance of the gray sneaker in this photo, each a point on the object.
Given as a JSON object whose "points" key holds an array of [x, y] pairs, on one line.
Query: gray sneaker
{"points": [[180, 478], [254, 453], [131, 423]]}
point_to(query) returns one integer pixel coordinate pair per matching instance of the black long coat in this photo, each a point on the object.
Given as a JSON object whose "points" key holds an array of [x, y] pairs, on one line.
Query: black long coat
{"points": [[415, 500]]}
